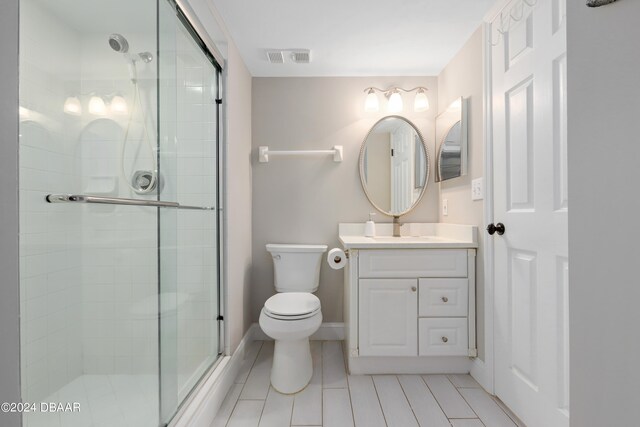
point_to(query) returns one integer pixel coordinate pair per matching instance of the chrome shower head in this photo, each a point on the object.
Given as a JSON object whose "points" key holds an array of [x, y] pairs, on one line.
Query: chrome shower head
{"points": [[118, 43]]}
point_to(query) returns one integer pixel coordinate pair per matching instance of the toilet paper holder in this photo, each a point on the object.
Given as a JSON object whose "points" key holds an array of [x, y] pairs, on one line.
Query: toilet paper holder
{"points": [[338, 258]]}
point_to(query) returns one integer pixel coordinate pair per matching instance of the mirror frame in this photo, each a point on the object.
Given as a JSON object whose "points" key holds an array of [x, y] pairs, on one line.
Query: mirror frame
{"points": [[427, 161], [464, 140]]}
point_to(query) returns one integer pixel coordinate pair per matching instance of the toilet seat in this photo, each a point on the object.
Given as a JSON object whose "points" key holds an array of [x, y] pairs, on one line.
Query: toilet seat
{"points": [[292, 306]]}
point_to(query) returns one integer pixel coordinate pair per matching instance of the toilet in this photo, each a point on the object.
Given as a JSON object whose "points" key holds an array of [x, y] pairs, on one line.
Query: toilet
{"points": [[293, 314]]}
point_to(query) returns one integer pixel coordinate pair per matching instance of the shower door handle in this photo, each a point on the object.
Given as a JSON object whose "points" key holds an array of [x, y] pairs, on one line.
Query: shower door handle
{"points": [[81, 198]]}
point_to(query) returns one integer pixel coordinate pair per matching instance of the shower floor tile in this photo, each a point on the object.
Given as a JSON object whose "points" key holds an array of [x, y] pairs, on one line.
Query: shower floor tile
{"points": [[105, 400]]}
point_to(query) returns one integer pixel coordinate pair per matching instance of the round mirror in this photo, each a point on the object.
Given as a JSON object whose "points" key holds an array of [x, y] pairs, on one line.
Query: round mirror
{"points": [[394, 166]]}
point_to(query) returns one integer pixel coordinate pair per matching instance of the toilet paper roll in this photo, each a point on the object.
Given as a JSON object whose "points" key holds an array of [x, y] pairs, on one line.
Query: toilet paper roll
{"points": [[336, 258]]}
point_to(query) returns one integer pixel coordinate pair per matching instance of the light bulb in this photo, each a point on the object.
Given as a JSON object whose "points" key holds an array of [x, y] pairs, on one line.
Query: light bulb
{"points": [[72, 106], [421, 102], [24, 113], [118, 105], [371, 103], [96, 106], [455, 105], [395, 102]]}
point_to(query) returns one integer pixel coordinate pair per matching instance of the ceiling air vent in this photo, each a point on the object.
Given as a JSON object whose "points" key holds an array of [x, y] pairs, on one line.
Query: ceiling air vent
{"points": [[302, 56], [275, 56]]}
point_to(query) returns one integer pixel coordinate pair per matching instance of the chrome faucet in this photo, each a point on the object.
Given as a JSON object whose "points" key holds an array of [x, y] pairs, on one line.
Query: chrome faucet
{"points": [[396, 226]]}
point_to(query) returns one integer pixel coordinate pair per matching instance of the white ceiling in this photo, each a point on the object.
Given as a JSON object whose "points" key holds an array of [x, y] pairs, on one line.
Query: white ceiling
{"points": [[352, 37]]}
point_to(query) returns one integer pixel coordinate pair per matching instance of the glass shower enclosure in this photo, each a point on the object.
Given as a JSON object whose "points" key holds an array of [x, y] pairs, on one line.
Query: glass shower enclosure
{"points": [[120, 232]]}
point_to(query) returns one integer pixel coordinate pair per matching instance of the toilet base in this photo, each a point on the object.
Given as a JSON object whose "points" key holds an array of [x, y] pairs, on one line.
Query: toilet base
{"points": [[292, 365]]}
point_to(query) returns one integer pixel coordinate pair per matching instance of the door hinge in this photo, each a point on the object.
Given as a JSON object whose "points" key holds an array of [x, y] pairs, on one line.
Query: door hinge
{"points": [[220, 318], [392, 152], [219, 101]]}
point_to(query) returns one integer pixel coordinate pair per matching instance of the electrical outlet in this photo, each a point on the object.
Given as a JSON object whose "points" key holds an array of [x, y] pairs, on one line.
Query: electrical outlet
{"points": [[477, 189], [445, 207]]}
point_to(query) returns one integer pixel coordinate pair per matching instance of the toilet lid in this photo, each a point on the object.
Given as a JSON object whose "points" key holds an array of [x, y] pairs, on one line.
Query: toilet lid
{"points": [[292, 304]]}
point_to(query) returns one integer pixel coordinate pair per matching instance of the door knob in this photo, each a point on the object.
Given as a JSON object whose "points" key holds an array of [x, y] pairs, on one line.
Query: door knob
{"points": [[445, 339], [445, 299], [498, 228]]}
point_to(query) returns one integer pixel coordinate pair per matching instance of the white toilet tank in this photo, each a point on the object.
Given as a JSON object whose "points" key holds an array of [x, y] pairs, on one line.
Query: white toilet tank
{"points": [[296, 268]]}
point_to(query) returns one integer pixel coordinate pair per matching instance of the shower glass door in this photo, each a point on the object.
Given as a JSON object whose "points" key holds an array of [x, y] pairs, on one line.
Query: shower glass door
{"points": [[119, 285], [189, 87]]}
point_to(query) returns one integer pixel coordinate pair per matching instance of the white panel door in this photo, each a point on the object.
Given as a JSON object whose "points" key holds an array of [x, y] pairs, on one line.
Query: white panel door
{"points": [[530, 199], [388, 317]]}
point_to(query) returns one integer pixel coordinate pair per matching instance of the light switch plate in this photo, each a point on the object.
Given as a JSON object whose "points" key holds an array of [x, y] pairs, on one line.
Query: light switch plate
{"points": [[477, 189], [445, 207]]}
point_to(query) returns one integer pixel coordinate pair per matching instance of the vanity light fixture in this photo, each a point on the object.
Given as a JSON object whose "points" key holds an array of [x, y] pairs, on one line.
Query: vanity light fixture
{"points": [[24, 113], [97, 106], [72, 106], [421, 103], [455, 105], [371, 104], [118, 105], [395, 103]]}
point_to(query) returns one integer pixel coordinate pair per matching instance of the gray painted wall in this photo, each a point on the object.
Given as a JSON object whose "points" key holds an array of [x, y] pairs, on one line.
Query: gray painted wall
{"points": [[463, 76], [302, 200], [238, 187], [604, 151], [9, 294]]}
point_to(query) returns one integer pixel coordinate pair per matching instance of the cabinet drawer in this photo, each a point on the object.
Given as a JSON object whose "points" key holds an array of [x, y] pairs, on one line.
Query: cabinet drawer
{"points": [[443, 337], [413, 263], [443, 297]]}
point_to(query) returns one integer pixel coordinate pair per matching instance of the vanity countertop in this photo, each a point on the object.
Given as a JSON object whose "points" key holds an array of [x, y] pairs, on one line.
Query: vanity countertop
{"points": [[413, 236]]}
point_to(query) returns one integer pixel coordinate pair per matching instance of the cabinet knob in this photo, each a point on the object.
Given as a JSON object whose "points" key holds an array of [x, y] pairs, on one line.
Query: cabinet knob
{"points": [[445, 339], [445, 299], [413, 289]]}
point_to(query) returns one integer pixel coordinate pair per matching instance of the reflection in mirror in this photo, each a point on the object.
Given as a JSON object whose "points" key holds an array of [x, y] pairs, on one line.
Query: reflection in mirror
{"points": [[394, 166], [450, 159], [451, 131]]}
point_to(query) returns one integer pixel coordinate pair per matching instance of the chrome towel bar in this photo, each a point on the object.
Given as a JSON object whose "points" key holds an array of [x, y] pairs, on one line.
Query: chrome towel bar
{"points": [[81, 198]]}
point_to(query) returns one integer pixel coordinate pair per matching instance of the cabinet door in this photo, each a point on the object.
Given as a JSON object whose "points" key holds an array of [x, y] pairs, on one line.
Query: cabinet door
{"points": [[388, 317]]}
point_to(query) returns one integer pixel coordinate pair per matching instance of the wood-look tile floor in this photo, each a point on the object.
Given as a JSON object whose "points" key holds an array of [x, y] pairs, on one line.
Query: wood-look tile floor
{"points": [[335, 399]]}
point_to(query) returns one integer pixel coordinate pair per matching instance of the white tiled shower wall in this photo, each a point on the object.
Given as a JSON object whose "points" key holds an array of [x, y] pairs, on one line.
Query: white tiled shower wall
{"points": [[51, 257], [119, 264]]}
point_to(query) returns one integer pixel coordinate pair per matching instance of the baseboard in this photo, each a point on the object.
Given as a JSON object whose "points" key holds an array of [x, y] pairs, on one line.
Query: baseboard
{"points": [[205, 402], [330, 331], [481, 373], [379, 365]]}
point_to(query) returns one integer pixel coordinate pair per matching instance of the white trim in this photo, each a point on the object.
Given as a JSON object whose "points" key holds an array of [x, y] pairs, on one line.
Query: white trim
{"points": [[331, 331], [203, 405], [200, 29], [409, 365], [483, 371]]}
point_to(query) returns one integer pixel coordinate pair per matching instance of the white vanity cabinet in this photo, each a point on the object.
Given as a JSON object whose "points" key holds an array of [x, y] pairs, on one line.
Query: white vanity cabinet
{"points": [[410, 307]]}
